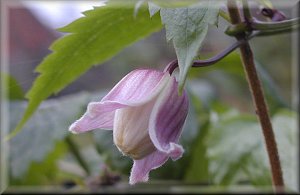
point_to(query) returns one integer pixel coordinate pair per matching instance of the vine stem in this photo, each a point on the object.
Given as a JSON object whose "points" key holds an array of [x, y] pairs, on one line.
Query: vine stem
{"points": [[208, 62], [259, 101]]}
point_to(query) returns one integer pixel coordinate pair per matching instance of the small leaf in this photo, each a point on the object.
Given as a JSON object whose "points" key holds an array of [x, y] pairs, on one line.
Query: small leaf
{"points": [[174, 3], [153, 9], [187, 27], [95, 38]]}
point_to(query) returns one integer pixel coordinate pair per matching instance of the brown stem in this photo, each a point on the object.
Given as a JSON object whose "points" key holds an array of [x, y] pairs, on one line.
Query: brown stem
{"points": [[259, 101]]}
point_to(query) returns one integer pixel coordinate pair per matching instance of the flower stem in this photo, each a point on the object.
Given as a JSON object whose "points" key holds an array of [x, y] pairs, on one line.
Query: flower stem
{"points": [[75, 151], [259, 101]]}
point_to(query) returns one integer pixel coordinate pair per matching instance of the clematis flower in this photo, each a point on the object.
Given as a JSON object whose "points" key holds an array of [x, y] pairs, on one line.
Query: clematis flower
{"points": [[146, 114]]}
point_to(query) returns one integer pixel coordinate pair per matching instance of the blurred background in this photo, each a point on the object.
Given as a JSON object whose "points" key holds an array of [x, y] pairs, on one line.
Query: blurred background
{"points": [[45, 155]]}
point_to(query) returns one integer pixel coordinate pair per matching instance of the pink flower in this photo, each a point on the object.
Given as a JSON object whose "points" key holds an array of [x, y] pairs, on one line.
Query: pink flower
{"points": [[146, 115]]}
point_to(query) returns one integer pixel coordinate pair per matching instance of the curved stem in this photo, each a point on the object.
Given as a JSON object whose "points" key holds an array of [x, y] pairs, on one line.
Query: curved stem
{"points": [[259, 102], [264, 27], [222, 54], [268, 26], [277, 32], [202, 63]]}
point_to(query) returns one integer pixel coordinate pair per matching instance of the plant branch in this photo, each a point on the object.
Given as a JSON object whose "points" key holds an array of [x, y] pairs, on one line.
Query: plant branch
{"points": [[246, 11], [277, 32], [268, 26], [259, 101]]}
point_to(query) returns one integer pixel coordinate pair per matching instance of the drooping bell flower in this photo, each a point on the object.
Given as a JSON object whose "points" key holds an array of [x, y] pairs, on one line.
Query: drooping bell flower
{"points": [[146, 114]]}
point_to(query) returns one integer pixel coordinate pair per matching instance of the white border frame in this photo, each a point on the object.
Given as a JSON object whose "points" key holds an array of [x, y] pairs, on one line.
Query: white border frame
{"points": [[4, 105]]}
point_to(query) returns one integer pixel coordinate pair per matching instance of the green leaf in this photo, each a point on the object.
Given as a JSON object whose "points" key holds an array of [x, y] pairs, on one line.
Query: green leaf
{"points": [[187, 27], [153, 8], [173, 3], [287, 136], [44, 172], [274, 98], [230, 146], [48, 125], [15, 91], [197, 169], [237, 153], [200, 93], [95, 38]]}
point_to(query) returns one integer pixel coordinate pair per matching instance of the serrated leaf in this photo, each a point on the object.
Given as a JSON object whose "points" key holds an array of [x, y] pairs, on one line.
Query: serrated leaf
{"points": [[49, 125], [187, 27], [174, 3], [102, 33], [14, 90], [153, 9]]}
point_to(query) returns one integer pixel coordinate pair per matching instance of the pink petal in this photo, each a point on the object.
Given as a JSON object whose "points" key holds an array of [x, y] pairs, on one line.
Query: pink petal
{"points": [[141, 168], [136, 88], [167, 119], [93, 119]]}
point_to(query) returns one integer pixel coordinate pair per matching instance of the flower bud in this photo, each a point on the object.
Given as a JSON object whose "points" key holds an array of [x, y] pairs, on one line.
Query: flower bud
{"points": [[131, 134]]}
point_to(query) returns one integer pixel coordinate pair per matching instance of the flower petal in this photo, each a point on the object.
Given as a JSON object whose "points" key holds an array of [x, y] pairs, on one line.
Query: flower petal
{"points": [[136, 88], [141, 168], [167, 119], [93, 119]]}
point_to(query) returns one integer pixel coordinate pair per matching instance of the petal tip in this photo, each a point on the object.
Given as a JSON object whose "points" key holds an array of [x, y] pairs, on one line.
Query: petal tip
{"points": [[175, 151], [74, 128], [134, 179]]}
